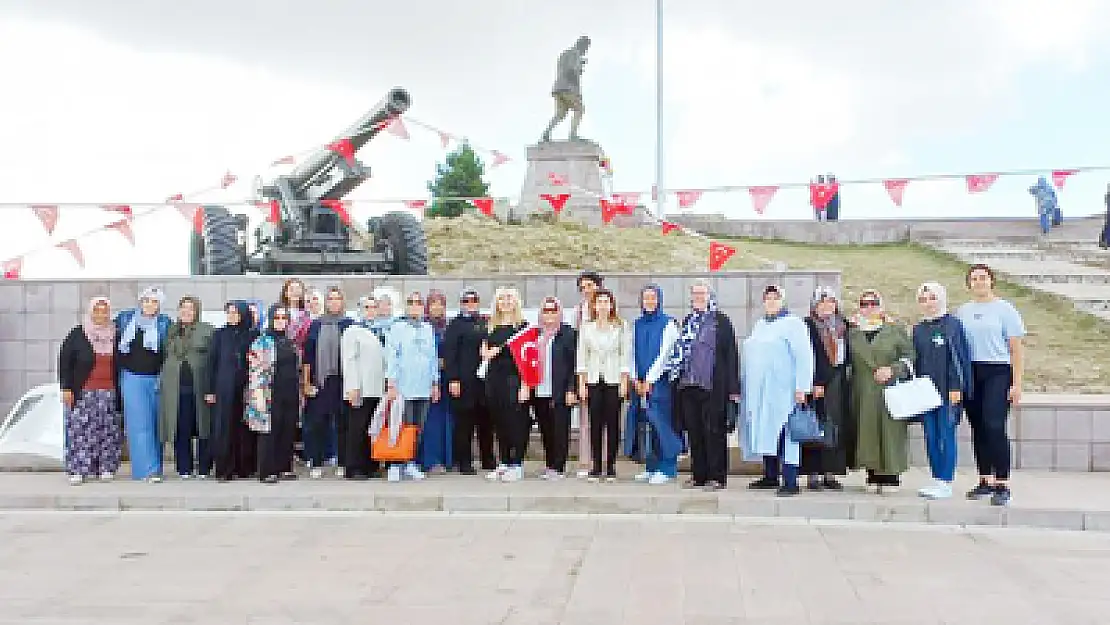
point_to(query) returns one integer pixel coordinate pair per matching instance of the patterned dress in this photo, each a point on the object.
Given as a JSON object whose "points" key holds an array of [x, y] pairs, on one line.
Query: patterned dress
{"points": [[93, 435]]}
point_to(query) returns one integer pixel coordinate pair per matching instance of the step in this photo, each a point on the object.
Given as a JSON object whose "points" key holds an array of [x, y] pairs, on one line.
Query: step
{"points": [[1034, 273], [1089, 296]]}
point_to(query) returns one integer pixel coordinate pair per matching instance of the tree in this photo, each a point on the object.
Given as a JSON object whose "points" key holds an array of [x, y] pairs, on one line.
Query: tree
{"points": [[460, 176]]}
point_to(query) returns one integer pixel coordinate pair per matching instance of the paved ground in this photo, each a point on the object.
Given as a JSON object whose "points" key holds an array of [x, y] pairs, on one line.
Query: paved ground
{"points": [[415, 569]]}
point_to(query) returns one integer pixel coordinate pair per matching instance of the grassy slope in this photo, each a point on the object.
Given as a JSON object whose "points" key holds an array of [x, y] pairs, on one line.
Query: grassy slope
{"points": [[1066, 348]]}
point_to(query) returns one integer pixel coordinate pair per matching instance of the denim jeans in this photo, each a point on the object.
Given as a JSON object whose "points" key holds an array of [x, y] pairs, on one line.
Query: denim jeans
{"points": [[940, 441]]}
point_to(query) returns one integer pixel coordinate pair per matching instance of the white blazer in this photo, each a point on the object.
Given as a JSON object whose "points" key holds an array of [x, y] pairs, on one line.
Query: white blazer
{"points": [[363, 362], [604, 354]]}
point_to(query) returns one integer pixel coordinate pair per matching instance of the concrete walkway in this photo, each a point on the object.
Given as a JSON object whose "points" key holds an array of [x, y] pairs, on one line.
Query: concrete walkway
{"points": [[1072, 501]]}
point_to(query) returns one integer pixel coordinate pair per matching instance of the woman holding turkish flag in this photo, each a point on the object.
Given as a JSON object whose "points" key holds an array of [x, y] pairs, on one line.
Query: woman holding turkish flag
{"points": [[554, 391], [604, 348], [505, 391]]}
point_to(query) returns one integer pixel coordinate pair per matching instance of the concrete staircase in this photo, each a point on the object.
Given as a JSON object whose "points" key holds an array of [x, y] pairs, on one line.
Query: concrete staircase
{"points": [[1074, 269]]}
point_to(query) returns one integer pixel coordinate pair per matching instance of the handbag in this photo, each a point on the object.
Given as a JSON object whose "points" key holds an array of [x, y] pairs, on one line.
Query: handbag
{"points": [[908, 399], [803, 427], [403, 451]]}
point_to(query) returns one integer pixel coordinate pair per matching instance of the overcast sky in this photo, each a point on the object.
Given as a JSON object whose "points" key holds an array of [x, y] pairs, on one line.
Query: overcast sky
{"points": [[128, 101]]}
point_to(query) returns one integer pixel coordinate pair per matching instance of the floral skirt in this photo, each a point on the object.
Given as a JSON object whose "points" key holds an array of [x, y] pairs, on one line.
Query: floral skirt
{"points": [[94, 441]]}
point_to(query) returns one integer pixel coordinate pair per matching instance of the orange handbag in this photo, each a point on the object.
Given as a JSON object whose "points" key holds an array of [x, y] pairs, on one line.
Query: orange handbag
{"points": [[403, 451]]}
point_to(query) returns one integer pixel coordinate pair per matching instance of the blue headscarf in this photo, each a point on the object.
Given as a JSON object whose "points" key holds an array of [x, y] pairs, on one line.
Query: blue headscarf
{"points": [[148, 325], [647, 332], [688, 333]]}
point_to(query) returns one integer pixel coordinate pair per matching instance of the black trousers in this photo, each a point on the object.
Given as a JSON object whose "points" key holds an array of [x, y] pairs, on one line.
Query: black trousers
{"points": [[554, 421], [187, 430], [356, 440], [988, 413], [511, 422], [275, 448], [605, 421], [473, 421], [706, 427]]}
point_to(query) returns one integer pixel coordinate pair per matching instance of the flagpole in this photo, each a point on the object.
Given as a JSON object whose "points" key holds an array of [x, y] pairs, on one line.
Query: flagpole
{"points": [[660, 194]]}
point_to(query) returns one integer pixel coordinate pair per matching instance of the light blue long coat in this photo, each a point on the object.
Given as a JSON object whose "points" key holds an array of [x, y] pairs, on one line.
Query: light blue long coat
{"points": [[777, 361]]}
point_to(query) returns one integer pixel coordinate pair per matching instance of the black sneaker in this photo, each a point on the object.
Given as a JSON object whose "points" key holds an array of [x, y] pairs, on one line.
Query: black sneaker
{"points": [[815, 484], [713, 486], [467, 470], [832, 483], [1001, 496], [691, 483], [764, 483], [788, 491], [982, 491]]}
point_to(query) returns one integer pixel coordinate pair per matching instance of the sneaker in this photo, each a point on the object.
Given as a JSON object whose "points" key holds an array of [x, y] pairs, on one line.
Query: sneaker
{"points": [[496, 474], [1001, 496], [394, 473], [943, 490], [107, 476], [593, 478], [340, 472], [413, 472], [76, 480], [831, 483], [788, 491], [643, 477], [269, 479], [713, 486], [611, 476], [764, 483], [692, 483], [657, 479], [513, 474], [467, 470], [981, 491], [184, 476], [315, 473], [582, 473], [154, 479], [926, 490], [814, 483]]}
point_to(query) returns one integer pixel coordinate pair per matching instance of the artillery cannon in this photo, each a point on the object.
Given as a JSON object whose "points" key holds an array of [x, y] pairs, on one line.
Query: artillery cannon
{"points": [[310, 231]]}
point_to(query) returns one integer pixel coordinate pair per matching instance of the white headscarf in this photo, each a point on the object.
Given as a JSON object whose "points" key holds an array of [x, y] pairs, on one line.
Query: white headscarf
{"points": [[936, 289]]}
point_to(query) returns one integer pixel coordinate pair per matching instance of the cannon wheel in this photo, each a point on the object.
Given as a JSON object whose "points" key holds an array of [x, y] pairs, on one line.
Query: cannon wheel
{"points": [[215, 251], [405, 235]]}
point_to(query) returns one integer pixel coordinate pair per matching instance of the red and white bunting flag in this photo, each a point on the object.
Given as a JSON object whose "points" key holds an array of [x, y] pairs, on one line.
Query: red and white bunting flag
{"points": [[341, 208], [896, 189], [669, 227], [484, 205], [123, 227], [686, 199], [228, 180], [608, 210], [123, 209], [628, 199], [416, 205], [345, 149], [556, 179], [557, 201], [821, 193], [47, 214], [1060, 176], [761, 197], [444, 139], [272, 209], [397, 128], [13, 268], [74, 249], [193, 215], [719, 253], [288, 159], [498, 159], [176, 197], [979, 183]]}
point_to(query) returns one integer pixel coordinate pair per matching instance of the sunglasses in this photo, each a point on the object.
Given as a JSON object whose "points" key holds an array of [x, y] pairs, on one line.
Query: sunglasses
{"points": [[869, 304], [550, 310], [926, 298], [277, 317], [416, 301]]}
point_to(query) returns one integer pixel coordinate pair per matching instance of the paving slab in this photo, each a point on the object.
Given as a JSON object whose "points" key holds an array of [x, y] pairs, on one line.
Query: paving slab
{"points": [[1076, 501]]}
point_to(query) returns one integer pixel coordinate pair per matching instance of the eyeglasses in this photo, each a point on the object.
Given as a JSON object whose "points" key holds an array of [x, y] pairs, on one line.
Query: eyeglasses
{"points": [[416, 301], [926, 298], [869, 304], [550, 310], [280, 317]]}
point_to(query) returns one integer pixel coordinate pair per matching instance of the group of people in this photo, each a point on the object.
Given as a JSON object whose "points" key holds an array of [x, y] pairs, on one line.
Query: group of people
{"points": [[232, 400]]}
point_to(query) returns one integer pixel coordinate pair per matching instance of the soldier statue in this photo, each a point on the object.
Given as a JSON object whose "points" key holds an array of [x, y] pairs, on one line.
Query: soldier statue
{"points": [[567, 89]]}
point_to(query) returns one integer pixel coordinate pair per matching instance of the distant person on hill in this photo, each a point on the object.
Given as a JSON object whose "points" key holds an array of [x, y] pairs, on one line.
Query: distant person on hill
{"points": [[1104, 240], [832, 209], [1048, 208], [818, 213]]}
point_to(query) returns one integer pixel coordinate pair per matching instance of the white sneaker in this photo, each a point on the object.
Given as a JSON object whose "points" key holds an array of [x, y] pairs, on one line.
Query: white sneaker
{"points": [[316, 473], [413, 472], [184, 476], [107, 476], [496, 474], [394, 473], [943, 490], [657, 479], [925, 491], [76, 480], [555, 476], [513, 474], [340, 472], [583, 473], [154, 479], [643, 477]]}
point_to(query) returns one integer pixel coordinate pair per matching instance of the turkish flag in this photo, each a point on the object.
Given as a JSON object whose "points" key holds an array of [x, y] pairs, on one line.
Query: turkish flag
{"points": [[608, 210], [669, 227], [120, 208], [978, 183], [444, 139], [47, 214], [13, 268], [228, 180], [557, 202], [686, 199], [1060, 176], [416, 205], [526, 354], [896, 188], [761, 197], [719, 253], [192, 214], [397, 128], [484, 205], [341, 208], [498, 159], [176, 197], [821, 193], [123, 227], [345, 149], [74, 249]]}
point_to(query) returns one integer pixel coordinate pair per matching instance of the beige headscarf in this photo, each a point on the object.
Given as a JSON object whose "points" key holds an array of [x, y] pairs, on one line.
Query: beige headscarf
{"points": [[937, 290]]}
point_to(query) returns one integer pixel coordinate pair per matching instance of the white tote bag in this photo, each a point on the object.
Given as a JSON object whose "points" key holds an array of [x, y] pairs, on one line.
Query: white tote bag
{"points": [[911, 398]]}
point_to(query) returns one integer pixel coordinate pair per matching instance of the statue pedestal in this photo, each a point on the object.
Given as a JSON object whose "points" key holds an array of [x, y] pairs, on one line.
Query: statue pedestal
{"points": [[577, 165]]}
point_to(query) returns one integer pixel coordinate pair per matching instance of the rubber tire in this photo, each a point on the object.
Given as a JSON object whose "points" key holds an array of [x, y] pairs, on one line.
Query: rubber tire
{"points": [[405, 234], [222, 254], [196, 254]]}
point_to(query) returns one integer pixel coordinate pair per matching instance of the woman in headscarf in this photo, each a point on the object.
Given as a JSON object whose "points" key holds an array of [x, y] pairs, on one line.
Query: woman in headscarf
{"points": [[1048, 207], [651, 412], [184, 413], [323, 384], [412, 376], [553, 397], [315, 303], [366, 311], [461, 354], [882, 352], [232, 442], [141, 350], [363, 372], [274, 397], [387, 299], [435, 441], [777, 377], [293, 297], [87, 377], [828, 333], [943, 356]]}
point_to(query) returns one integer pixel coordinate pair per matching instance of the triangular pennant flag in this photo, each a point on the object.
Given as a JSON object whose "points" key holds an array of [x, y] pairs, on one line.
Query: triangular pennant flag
{"points": [[484, 205], [498, 159], [47, 214], [978, 183], [444, 139], [228, 180], [13, 268], [556, 179], [193, 215], [761, 197], [285, 160], [821, 193], [557, 201], [341, 208], [896, 189], [669, 227], [1060, 176], [686, 199], [176, 197], [719, 254], [272, 209], [345, 149], [123, 227], [416, 205], [627, 200], [74, 249], [123, 209], [608, 210], [396, 127]]}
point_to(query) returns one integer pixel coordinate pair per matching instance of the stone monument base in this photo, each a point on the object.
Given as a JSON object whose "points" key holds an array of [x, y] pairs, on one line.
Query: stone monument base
{"points": [[576, 164]]}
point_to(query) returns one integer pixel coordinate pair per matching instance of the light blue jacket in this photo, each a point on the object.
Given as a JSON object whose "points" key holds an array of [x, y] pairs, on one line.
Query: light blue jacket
{"points": [[412, 362]]}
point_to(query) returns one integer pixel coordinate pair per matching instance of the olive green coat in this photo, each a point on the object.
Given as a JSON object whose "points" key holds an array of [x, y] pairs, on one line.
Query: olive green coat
{"points": [[193, 349], [881, 441]]}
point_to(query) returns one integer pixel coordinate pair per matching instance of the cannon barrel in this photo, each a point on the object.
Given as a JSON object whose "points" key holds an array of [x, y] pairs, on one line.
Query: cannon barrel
{"points": [[396, 102]]}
